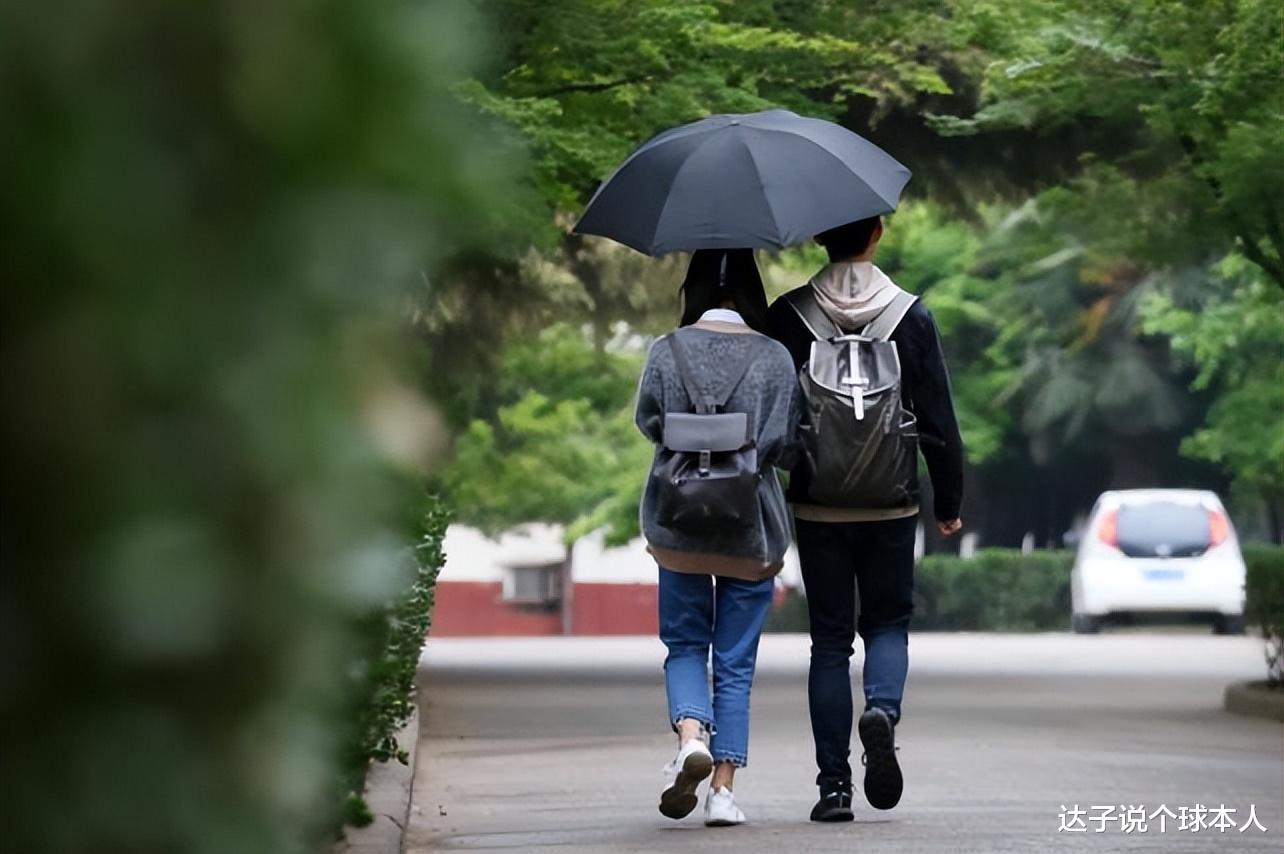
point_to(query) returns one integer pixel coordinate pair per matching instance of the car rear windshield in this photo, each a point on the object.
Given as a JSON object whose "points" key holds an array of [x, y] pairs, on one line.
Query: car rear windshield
{"points": [[1163, 529]]}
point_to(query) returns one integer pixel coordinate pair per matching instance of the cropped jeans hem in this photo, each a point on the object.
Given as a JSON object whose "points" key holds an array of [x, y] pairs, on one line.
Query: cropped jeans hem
{"points": [[739, 760], [694, 713]]}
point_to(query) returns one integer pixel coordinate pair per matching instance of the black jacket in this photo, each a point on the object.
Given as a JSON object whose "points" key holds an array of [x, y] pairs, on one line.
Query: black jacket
{"points": [[925, 388]]}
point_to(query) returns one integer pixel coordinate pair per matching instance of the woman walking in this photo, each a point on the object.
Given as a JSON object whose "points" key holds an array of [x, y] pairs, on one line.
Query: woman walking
{"points": [[714, 515]]}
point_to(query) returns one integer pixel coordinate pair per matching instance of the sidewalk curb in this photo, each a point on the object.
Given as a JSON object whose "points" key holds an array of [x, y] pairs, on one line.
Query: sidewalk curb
{"points": [[1250, 698], [389, 789]]}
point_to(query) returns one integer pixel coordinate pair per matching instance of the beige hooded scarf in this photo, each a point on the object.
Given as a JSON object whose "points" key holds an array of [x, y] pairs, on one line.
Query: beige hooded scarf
{"points": [[853, 293]]}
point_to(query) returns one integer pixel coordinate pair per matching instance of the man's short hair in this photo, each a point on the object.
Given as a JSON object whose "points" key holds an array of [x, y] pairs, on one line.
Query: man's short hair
{"points": [[849, 240]]}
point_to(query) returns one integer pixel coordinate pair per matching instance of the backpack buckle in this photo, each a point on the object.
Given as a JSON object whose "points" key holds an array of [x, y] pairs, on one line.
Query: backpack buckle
{"points": [[706, 463]]}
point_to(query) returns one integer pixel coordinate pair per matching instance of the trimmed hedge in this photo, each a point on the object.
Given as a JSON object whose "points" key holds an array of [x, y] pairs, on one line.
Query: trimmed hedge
{"points": [[997, 590], [1005, 590], [385, 683], [1264, 586]]}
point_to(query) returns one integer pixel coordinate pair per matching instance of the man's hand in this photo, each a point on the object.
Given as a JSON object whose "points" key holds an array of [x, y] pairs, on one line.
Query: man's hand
{"points": [[949, 527]]}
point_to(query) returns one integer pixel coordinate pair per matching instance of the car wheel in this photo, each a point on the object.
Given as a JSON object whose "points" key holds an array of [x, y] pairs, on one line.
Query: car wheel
{"points": [[1085, 624], [1228, 624]]}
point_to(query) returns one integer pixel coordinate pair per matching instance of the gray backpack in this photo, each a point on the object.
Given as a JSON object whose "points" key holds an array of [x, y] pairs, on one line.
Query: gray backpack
{"points": [[861, 443], [706, 469]]}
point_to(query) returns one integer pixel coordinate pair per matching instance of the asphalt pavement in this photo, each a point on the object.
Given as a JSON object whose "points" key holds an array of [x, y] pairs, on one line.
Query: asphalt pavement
{"points": [[555, 745]]}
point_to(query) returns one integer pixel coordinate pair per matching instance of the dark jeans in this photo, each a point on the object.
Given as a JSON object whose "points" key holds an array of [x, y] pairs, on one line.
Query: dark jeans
{"points": [[838, 558]]}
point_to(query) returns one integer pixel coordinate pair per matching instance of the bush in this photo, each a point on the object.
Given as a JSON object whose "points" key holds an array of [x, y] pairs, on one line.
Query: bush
{"points": [[1003, 590], [790, 615], [212, 214], [997, 590], [1264, 588], [384, 678]]}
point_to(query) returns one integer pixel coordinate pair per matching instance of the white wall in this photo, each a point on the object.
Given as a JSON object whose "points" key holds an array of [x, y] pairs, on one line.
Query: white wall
{"points": [[627, 564], [471, 556], [632, 564]]}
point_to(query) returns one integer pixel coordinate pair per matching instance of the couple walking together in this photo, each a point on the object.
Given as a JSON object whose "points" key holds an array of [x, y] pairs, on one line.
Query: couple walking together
{"points": [[841, 383]]}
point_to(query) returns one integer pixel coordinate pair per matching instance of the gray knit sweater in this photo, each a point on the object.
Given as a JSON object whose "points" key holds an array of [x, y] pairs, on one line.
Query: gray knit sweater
{"points": [[768, 393]]}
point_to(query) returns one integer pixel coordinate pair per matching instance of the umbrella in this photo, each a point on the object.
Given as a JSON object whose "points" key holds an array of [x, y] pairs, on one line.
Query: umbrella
{"points": [[756, 180]]}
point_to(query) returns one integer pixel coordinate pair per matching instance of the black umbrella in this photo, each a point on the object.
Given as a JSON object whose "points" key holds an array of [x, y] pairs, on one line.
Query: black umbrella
{"points": [[759, 180]]}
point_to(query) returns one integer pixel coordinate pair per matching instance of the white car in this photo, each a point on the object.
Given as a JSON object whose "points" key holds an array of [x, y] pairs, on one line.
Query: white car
{"points": [[1158, 551]]}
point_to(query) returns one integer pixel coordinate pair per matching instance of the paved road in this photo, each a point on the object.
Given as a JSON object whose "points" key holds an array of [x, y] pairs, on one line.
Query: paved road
{"points": [[555, 745]]}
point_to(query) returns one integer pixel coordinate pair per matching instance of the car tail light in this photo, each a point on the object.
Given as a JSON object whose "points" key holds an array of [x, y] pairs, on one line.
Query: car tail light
{"points": [[1108, 530], [1218, 528]]}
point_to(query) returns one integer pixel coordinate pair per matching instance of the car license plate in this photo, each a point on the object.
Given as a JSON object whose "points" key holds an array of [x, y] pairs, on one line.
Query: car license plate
{"points": [[1165, 574]]}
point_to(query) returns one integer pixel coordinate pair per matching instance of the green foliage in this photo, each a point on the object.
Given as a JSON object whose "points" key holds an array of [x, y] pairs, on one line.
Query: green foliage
{"points": [[1069, 358], [996, 590], [586, 81], [1003, 590], [575, 86], [382, 689], [562, 449], [933, 255], [790, 615], [1101, 152], [211, 214], [1264, 605], [1232, 332], [1189, 98]]}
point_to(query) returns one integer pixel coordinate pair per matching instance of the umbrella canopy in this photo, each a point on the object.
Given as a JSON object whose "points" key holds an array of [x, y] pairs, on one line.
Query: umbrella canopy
{"points": [[756, 180]]}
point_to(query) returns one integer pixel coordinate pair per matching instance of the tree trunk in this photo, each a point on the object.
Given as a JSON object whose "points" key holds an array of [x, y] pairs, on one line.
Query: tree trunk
{"points": [[1274, 528], [568, 593], [1132, 466]]}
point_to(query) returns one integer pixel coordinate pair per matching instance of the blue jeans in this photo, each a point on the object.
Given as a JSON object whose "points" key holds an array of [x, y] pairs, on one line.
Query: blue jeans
{"points": [[839, 559], [696, 614]]}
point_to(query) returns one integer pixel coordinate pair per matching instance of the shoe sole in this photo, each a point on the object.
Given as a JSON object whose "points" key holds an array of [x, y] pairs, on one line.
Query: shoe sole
{"points": [[680, 799], [721, 822], [834, 815], [883, 781]]}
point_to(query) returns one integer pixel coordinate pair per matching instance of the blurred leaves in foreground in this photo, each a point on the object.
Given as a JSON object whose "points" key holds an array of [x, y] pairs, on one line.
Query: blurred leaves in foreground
{"points": [[211, 214]]}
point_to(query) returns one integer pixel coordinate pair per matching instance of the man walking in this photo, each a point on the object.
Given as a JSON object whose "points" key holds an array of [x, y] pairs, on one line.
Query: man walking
{"points": [[855, 495]]}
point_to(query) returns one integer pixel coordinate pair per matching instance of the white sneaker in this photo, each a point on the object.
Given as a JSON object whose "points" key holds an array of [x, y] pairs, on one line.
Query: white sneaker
{"points": [[693, 763], [720, 809]]}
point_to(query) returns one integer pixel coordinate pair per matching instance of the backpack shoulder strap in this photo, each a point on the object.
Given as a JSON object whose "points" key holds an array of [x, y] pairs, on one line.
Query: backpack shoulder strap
{"points": [[803, 302], [698, 401], [737, 374], [882, 326]]}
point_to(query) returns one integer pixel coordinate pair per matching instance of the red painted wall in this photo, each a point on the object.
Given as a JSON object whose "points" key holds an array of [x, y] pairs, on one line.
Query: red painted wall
{"points": [[477, 608], [615, 609]]}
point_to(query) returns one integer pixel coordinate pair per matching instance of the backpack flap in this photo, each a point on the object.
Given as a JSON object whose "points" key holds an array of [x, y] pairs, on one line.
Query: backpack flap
{"points": [[854, 367], [725, 431]]}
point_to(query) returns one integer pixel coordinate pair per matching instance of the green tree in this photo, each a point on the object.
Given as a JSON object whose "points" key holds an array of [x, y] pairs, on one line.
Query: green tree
{"points": [[562, 449], [937, 257], [1231, 329], [576, 86], [1190, 100]]}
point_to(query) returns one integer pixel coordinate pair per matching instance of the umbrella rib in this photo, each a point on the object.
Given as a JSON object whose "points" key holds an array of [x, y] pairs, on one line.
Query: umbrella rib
{"points": [[680, 132], [659, 220], [854, 174], [766, 197]]}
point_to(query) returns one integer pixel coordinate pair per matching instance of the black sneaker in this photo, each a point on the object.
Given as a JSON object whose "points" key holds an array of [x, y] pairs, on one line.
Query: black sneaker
{"points": [[883, 781], [835, 804]]}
